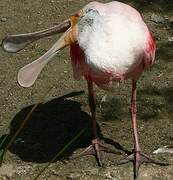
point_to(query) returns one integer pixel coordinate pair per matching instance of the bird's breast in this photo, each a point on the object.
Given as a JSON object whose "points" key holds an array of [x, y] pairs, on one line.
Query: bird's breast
{"points": [[109, 48], [112, 44]]}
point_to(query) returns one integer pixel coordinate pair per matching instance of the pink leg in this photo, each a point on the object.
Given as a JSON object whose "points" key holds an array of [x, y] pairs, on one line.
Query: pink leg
{"points": [[135, 130], [92, 104], [97, 145], [137, 157]]}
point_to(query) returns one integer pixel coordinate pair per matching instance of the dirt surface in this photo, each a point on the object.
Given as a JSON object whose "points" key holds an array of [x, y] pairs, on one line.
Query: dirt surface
{"points": [[59, 119]]}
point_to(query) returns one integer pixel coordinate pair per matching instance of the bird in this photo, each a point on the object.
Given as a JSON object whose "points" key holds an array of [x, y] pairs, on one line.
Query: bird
{"points": [[109, 43]]}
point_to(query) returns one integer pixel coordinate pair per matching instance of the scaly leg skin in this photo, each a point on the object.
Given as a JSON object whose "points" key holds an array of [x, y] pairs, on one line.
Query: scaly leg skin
{"points": [[97, 145], [137, 157]]}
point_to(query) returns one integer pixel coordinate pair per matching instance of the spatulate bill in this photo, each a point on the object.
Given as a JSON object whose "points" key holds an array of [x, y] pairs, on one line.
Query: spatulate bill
{"points": [[15, 43], [29, 73]]}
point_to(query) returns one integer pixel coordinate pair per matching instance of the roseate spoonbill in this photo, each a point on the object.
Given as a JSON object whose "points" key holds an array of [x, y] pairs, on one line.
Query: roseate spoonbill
{"points": [[108, 43]]}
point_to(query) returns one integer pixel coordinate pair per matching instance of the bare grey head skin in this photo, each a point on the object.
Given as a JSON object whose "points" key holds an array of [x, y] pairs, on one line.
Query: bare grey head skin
{"points": [[86, 21], [87, 18]]}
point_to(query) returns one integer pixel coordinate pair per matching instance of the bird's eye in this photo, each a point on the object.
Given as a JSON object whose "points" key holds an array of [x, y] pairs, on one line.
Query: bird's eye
{"points": [[89, 10], [93, 11]]}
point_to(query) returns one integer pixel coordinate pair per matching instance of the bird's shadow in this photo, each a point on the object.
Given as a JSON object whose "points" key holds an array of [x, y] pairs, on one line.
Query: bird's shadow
{"points": [[51, 126]]}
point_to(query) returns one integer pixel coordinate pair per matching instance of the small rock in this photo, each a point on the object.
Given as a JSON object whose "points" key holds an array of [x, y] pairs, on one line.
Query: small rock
{"points": [[170, 39], [164, 149], [40, 22], [103, 99], [3, 19], [157, 19], [158, 38]]}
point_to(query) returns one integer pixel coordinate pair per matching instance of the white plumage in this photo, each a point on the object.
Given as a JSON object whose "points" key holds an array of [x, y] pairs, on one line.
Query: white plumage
{"points": [[113, 44]]}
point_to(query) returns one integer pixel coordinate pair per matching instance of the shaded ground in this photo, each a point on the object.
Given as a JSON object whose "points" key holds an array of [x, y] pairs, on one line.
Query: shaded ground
{"points": [[58, 120]]}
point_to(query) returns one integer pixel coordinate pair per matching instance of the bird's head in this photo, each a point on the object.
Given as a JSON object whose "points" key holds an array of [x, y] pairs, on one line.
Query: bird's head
{"points": [[70, 29]]}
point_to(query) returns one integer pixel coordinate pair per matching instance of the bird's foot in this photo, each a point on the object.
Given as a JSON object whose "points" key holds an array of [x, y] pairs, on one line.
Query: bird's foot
{"points": [[139, 158], [96, 148]]}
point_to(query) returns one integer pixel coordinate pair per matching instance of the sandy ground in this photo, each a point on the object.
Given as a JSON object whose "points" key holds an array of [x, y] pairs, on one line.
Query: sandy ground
{"points": [[59, 119]]}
